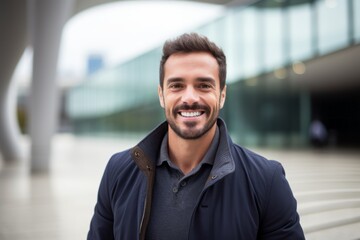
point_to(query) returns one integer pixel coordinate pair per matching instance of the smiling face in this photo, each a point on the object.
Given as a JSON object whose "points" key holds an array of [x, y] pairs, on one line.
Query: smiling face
{"points": [[191, 95]]}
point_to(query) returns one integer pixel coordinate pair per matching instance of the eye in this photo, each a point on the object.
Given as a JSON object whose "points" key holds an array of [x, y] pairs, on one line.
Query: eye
{"points": [[205, 86], [175, 86]]}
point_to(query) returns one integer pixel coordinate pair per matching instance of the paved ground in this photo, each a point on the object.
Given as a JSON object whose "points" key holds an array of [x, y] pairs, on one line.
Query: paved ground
{"points": [[59, 205]]}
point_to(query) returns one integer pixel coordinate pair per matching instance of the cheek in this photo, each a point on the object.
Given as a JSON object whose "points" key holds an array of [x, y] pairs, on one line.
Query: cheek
{"points": [[215, 101], [169, 100]]}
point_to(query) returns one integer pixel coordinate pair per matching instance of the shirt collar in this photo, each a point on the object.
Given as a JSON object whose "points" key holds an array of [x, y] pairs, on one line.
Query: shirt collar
{"points": [[208, 158]]}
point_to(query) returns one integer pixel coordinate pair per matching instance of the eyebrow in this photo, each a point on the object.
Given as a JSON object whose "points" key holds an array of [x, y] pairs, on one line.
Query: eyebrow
{"points": [[200, 79], [207, 79], [174, 80]]}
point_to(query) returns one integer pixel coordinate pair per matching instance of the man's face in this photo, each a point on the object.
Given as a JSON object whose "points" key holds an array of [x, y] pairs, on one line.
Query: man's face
{"points": [[191, 94]]}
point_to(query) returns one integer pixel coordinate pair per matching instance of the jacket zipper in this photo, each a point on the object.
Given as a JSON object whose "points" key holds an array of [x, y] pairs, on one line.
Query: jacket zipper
{"points": [[142, 218], [145, 215]]}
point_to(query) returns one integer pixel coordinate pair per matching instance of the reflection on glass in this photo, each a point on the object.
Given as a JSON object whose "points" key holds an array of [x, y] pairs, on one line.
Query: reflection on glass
{"points": [[273, 34], [333, 27], [356, 9], [232, 45], [300, 32], [252, 41]]}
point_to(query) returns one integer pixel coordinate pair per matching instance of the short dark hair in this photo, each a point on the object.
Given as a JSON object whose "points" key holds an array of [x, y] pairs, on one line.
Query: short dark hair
{"points": [[193, 42]]}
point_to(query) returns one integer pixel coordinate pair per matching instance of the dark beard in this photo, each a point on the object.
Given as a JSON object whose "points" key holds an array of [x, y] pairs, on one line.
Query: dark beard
{"points": [[191, 133]]}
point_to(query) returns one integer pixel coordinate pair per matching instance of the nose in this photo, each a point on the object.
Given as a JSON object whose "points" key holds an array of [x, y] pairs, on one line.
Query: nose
{"points": [[190, 96]]}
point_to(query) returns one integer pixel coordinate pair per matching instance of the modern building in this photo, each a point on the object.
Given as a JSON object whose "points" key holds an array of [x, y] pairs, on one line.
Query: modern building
{"points": [[37, 24], [289, 62]]}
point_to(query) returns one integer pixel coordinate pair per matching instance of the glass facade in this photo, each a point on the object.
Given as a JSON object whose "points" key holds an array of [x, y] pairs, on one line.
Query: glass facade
{"points": [[300, 30], [356, 18], [333, 25], [261, 42]]}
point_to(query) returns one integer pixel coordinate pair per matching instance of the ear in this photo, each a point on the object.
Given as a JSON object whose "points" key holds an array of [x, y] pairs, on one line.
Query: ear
{"points": [[222, 97], [161, 97]]}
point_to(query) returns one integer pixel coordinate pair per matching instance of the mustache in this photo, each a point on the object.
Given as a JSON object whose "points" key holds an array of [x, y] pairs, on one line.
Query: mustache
{"points": [[194, 106]]}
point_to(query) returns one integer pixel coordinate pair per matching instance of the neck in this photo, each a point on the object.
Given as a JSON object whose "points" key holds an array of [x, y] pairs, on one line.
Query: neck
{"points": [[187, 154]]}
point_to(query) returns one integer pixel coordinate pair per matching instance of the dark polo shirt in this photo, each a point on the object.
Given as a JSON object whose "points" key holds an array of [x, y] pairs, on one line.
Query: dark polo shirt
{"points": [[175, 194]]}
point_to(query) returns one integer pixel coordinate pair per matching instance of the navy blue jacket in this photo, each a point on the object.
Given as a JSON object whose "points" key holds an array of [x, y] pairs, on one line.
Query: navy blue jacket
{"points": [[246, 196]]}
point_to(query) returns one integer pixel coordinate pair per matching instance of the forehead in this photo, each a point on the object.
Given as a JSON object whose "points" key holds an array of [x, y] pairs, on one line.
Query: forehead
{"points": [[191, 65], [198, 58]]}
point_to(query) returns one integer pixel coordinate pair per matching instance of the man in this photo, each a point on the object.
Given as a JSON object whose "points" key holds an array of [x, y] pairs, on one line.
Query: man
{"points": [[186, 179]]}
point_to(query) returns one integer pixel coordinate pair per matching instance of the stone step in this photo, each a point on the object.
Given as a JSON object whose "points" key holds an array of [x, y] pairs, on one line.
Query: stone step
{"points": [[328, 205], [344, 232], [327, 194], [317, 222], [321, 184]]}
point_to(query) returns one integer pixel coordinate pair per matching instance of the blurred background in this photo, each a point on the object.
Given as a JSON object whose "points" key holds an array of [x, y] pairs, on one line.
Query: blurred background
{"points": [[78, 82]]}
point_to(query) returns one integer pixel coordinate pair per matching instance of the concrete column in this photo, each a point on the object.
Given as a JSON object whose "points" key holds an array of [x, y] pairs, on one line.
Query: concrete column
{"points": [[47, 18], [12, 44]]}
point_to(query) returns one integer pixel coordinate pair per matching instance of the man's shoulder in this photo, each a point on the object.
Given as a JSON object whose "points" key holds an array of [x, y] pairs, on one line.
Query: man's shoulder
{"points": [[120, 156], [261, 173], [254, 163], [119, 161]]}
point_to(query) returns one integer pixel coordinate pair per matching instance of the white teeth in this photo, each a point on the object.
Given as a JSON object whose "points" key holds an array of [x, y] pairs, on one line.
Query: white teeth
{"points": [[190, 114]]}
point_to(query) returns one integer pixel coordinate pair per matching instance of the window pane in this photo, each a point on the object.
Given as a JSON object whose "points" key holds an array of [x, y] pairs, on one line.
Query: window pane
{"points": [[273, 36], [356, 5], [333, 28], [232, 46], [300, 32], [249, 34]]}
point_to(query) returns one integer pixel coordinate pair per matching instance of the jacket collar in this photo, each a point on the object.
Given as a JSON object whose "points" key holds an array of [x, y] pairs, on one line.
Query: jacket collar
{"points": [[224, 163], [147, 150]]}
